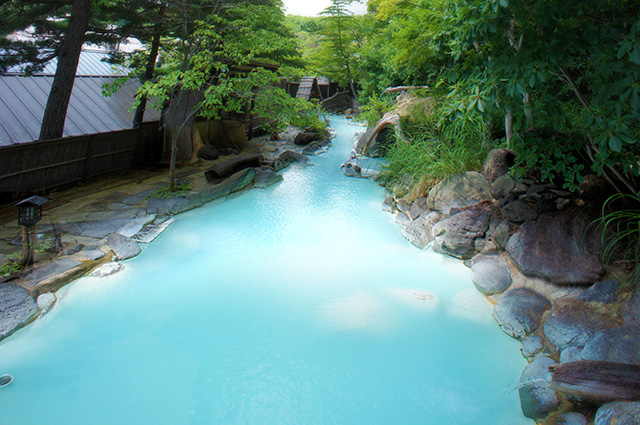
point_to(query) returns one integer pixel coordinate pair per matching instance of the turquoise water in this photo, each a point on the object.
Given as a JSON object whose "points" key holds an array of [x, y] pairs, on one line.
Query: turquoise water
{"points": [[297, 304]]}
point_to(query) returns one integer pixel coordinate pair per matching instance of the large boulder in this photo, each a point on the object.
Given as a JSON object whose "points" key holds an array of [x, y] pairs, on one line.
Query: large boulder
{"points": [[619, 345], [224, 169], [602, 292], [631, 309], [457, 235], [532, 346], [537, 400], [518, 312], [557, 247], [290, 157], [17, 308], [419, 231], [571, 323], [502, 187], [459, 191], [519, 212], [618, 413], [208, 153], [306, 137], [498, 162], [123, 246], [491, 276]]}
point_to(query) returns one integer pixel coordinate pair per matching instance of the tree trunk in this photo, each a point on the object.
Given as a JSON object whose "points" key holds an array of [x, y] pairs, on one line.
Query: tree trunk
{"points": [[148, 75], [508, 126], [58, 102]]}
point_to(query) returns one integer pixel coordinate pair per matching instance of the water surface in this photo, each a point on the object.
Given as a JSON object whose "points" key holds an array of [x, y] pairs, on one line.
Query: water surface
{"points": [[296, 304]]}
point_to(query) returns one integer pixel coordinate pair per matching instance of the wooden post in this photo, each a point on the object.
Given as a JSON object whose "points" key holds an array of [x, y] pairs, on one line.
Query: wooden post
{"points": [[28, 245]]}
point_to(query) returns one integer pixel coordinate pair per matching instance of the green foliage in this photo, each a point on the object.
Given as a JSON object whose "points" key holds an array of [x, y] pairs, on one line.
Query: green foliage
{"points": [[620, 227], [7, 269], [374, 108], [166, 192], [440, 144]]}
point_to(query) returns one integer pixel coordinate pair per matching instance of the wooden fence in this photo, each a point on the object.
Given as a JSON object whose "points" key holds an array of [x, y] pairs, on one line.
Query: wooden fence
{"points": [[39, 167]]}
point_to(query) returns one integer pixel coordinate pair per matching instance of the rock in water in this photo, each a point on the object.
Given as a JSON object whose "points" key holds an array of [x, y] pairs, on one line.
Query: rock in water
{"points": [[18, 308], [491, 276], [456, 235], [536, 398], [518, 311]]}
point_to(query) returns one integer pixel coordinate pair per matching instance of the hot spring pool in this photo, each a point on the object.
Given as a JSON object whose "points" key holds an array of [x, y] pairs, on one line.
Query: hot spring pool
{"points": [[297, 304]]}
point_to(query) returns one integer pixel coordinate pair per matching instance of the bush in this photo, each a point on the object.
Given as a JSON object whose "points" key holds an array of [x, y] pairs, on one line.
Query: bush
{"points": [[438, 145]]}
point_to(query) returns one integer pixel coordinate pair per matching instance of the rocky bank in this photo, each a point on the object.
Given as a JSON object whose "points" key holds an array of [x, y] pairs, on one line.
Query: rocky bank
{"points": [[535, 256]]}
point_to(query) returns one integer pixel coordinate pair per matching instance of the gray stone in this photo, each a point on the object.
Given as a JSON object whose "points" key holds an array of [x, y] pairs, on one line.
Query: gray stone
{"points": [[518, 312], [123, 246], [456, 235], [100, 228], [46, 301], [620, 345], [51, 269], [314, 148], [570, 354], [289, 157], [491, 276], [402, 219], [404, 206], [498, 162], [499, 231], [519, 212], [419, 231], [161, 206], [351, 170], [631, 309], [521, 188], [93, 254], [136, 224], [138, 198], [573, 323], [558, 248], [418, 208], [306, 137], [107, 269], [502, 187], [602, 292], [618, 413], [536, 398], [18, 309], [152, 231], [187, 203], [567, 418], [389, 205], [72, 248], [531, 346], [459, 191], [234, 183], [266, 177]]}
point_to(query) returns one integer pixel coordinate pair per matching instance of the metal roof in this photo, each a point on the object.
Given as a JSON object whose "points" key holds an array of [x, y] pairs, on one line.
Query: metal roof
{"points": [[92, 63], [22, 102]]}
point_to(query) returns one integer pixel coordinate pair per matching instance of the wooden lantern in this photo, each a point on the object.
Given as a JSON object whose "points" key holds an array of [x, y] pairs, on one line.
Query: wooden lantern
{"points": [[30, 210]]}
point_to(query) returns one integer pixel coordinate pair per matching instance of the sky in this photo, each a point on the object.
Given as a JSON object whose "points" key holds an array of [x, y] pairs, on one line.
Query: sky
{"points": [[313, 7]]}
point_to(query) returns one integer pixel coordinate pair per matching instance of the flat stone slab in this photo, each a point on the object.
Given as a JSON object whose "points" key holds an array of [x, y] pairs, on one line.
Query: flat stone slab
{"points": [[139, 197], [151, 231], [54, 268], [107, 269], [92, 254], [18, 308], [135, 225], [100, 228], [123, 247]]}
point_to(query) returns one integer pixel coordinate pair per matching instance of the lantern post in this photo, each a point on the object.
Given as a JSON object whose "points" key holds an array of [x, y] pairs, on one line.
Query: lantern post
{"points": [[29, 213]]}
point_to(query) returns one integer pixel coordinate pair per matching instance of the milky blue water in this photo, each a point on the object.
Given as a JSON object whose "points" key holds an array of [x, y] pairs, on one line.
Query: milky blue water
{"points": [[297, 304]]}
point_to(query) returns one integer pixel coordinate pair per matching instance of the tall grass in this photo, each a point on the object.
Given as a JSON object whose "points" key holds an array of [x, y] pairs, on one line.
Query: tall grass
{"points": [[438, 145], [620, 227]]}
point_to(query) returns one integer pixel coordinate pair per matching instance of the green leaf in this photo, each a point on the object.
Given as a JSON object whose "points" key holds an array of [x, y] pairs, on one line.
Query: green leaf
{"points": [[615, 144]]}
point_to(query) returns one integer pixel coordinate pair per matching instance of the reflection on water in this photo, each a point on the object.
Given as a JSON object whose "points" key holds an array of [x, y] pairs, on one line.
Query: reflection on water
{"points": [[296, 304]]}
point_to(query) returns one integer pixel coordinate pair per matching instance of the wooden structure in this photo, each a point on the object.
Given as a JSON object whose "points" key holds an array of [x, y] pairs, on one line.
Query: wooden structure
{"points": [[308, 89], [597, 380], [338, 103], [39, 167]]}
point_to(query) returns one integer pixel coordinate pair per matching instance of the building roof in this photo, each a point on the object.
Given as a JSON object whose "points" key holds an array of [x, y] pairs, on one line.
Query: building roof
{"points": [[92, 63], [23, 99], [309, 89]]}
